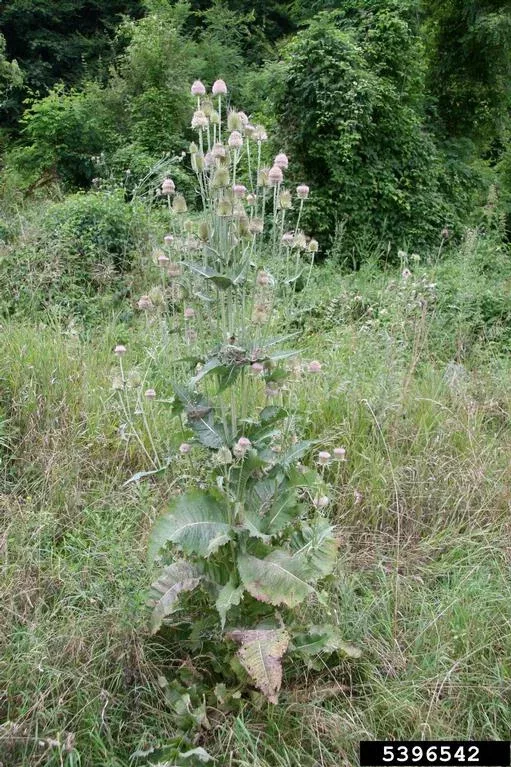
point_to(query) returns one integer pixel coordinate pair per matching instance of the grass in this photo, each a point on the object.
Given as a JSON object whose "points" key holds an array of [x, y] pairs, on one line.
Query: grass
{"points": [[422, 507]]}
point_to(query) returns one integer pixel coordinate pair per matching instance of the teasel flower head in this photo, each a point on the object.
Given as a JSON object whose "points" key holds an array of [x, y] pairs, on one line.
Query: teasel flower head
{"points": [[224, 208], [260, 133], [263, 279], [150, 394], [197, 162], [314, 366], [199, 120], [281, 161], [234, 122], [193, 148], [340, 453], [239, 191], [313, 246], [168, 240], [189, 313], [275, 176], [174, 270], [120, 350], [235, 140], [218, 151], [299, 241], [323, 457], [144, 304], [241, 447], [262, 177], [221, 177], [251, 199], [207, 107], [219, 88], [168, 187], [204, 231], [249, 130], [198, 89], [256, 226], [302, 191], [288, 239], [285, 201], [184, 448], [179, 204], [214, 117]]}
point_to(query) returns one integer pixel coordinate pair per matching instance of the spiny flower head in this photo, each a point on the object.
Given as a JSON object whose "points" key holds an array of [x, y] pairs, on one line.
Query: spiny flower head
{"points": [[199, 120], [168, 186], [302, 191], [219, 88], [314, 366], [235, 140], [275, 175], [149, 394], [198, 88], [323, 457], [281, 160], [120, 350]]}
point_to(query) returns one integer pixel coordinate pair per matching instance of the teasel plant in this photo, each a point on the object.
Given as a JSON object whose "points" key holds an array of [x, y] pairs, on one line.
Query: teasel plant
{"points": [[245, 544]]}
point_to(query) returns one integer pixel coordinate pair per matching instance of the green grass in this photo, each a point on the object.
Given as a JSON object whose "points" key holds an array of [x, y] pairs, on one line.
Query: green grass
{"points": [[422, 507]]}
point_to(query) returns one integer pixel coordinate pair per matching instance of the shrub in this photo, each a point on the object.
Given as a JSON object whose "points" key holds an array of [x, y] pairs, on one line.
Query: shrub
{"points": [[352, 117], [78, 251]]}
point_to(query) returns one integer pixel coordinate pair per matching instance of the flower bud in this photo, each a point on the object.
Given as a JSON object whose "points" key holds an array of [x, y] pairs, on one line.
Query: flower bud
{"points": [[193, 148], [168, 186], [120, 350], [198, 88], [262, 177], [197, 163], [275, 176], [221, 178], [218, 151], [285, 202], [302, 191], [235, 140], [179, 204], [219, 88], [149, 394], [234, 121], [281, 161]]}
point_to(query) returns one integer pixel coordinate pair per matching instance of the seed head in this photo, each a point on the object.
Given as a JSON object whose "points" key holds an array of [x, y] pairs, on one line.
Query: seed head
{"points": [[168, 187], [288, 239], [149, 394], [219, 88], [224, 209], [275, 175], [281, 161], [262, 177], [235, 140], [249, 130], [184, 448], [313, 246], [323, 457], [120, 350], [314, 366], [221, 177], [302, 191], [198, 89]]}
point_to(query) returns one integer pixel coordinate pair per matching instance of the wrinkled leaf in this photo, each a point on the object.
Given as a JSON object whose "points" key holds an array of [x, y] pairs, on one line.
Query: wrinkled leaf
{"points": [[220, 280], [325, 639], [195, 521], [178, 577], [279, 578], [260, 655], [317, 545]]}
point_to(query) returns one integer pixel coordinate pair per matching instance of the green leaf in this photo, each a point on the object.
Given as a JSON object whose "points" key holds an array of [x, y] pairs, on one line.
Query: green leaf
{"points": [[208, 432], [196, 523], [278, 579], [260, 655], [177, 577], [295, 452], [325, 639], [143, 474], [220, 280], [316, 544], [228, 596]]}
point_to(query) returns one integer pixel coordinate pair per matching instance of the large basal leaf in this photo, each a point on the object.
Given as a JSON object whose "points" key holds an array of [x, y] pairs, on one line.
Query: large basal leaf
{"points": [[315, 543], [295, 453], [208, 432], [260, 655], [279, 579], [178, 577], [196, 523], [228, 596], [271, 505]]}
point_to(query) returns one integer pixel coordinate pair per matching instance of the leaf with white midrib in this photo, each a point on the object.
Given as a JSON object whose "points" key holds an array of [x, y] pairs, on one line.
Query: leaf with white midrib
{"points": [[178, 577], [260, 654], [278, 579]]}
